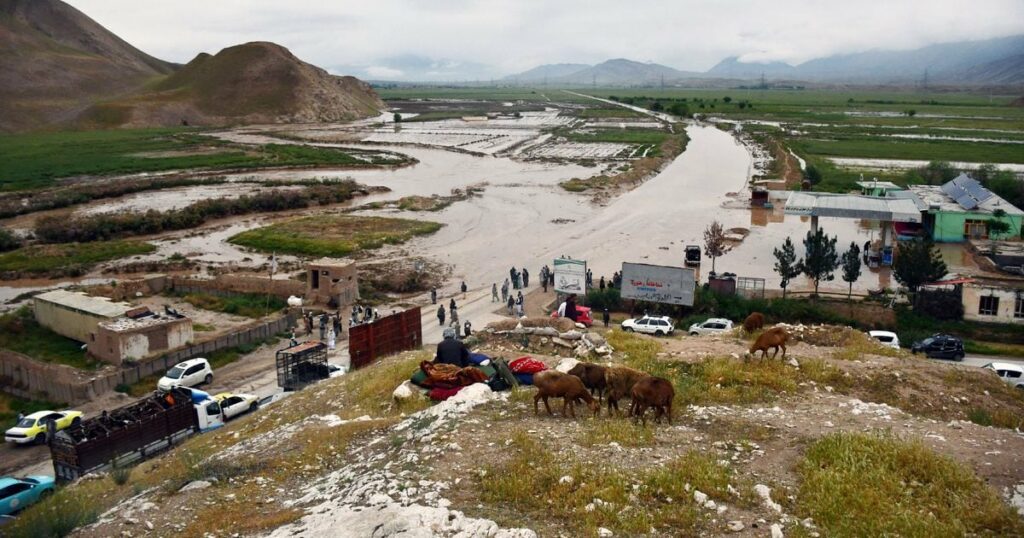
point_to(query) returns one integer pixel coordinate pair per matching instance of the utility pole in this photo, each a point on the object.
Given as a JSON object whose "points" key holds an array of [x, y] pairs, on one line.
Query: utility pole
{"points": [[924, 80], [593, 81], [662, 81], [764, 82]]}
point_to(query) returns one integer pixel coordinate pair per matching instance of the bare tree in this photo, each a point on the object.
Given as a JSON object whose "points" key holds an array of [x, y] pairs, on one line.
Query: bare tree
{"points": [[714, 242]]}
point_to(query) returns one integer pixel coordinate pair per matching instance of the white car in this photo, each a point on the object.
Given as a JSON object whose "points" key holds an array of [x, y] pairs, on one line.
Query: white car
{"points": [[186, 374], [1008, 372], [656, 325], [232, 404], [711, 326], [886, 338]]}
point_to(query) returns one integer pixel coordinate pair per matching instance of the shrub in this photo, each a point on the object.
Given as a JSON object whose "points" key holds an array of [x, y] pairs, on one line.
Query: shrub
{"points": [[8, 241]]}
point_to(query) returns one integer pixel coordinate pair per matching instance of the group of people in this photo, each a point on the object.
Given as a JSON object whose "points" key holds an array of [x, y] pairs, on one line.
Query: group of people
{"points": [[453, 323], [330, 327], [520, 279], [363, 315]]}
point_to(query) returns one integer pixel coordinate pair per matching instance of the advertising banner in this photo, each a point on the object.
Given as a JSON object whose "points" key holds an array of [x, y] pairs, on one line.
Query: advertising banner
{"points": [[658, 283], [570, 276]]}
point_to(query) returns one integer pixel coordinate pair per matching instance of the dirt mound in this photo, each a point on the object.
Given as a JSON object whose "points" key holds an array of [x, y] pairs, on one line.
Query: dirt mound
{"points": [[56, 61], [251, 83], [562, 324]]}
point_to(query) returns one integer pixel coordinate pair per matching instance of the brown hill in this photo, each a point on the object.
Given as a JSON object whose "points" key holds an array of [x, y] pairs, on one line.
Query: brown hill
{"points": [[55, 61], [255, 82]]}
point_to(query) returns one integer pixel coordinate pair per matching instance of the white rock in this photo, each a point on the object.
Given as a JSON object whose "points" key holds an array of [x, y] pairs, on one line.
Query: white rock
{"points": [[699, 497], [710, 505], [777, 531], [565, 480], [566, 364], [571, 335], [736, 525], [149, 525], [765, 493], [605, 533], [406, 391], [196, 484], [580, 326], [793, 362]]}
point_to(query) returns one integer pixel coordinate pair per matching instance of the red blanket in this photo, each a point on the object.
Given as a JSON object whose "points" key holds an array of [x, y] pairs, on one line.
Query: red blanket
{"points": [[526, 365], [439, 394]]}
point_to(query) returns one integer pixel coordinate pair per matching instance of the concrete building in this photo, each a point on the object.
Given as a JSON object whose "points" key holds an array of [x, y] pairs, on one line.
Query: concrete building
{"points": [[332, 283], [125, 338], [877, 188], [74, 314], [993, 303], [962, 209]]}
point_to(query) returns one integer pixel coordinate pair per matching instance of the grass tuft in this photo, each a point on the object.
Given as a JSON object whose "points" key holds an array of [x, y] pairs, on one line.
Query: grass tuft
{"points": [[878, 485]]}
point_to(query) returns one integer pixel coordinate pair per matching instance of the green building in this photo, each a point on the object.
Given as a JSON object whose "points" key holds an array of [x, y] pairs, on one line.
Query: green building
{"points": [[962, 209]]}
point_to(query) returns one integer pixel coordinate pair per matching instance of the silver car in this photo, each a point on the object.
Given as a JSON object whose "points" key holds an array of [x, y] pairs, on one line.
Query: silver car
{"points": [[711, 326]]}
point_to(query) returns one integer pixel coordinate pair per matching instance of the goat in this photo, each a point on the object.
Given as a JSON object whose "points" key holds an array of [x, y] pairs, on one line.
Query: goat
{"points": [[592, 376], [775, 337], [753, 322], [619, 381], [555, 384], [654, 392]]}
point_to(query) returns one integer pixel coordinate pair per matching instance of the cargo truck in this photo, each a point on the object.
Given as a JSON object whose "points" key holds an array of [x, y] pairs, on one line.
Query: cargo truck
{"points": [[133, 433]]}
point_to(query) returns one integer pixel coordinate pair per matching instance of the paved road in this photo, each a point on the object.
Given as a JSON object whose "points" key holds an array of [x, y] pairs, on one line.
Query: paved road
{"points": [[982, 360]]}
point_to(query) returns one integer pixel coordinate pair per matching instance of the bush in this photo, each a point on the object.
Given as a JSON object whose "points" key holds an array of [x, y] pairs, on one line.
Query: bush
{"points": [[609, 298], [8, 241], [120, 474]]}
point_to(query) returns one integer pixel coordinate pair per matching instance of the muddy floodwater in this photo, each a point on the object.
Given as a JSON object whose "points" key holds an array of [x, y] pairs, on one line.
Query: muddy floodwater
{"points": [[524, 218]]}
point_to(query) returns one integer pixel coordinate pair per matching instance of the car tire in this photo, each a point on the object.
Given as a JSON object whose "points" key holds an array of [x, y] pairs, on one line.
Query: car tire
{"points": [[40, 439], [628, 329], [659, 333], [208, 379], [959, 357], [254, 406], [76, 421], [694, 333]]}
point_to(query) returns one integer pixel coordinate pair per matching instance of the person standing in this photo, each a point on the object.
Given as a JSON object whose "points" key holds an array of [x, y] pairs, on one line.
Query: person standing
{"points": [[510, 303], [323, 326], [337, 325], [504, 291], [544, 283], [606, 317], [330, 338], [570, 308], [512, 276], [464, 289], [433, 295], [440, 315], [467, 328], [494, 292], [451, 304], [526, 278], [600, 283], [455, 315]]}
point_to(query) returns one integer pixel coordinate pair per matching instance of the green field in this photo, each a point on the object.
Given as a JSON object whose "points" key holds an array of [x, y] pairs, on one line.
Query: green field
{"points": [[333, 235], [37, 160], [68, 259], [246, 305]]}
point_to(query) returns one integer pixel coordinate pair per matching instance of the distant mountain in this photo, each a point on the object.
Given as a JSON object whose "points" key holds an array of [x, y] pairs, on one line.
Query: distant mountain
{"points": [[548, 72], [251, 83], [990, 61], [54, 61], [59, 67]]}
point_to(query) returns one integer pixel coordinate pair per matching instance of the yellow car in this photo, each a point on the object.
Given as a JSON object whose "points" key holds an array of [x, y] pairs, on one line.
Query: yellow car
{"points": [[32, 428], [232, 405]]}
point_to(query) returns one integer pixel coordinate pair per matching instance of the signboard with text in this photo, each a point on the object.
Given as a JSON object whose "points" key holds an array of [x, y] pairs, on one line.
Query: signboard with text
{"points": [[570, 276], [658, 283]]}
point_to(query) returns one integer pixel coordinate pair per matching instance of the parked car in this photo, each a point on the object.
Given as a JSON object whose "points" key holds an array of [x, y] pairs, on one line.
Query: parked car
{"points": [[17, 493], [692, 255], [656, 325], [1011, 373], [32, 428], [711, 326], [582, 315], [232, 404], [887, 339], [189, 373], [940, 346]]}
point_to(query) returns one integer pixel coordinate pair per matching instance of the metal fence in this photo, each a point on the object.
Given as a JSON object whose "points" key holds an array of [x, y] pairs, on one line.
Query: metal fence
{"points": [[750, 287], [386, 336]]}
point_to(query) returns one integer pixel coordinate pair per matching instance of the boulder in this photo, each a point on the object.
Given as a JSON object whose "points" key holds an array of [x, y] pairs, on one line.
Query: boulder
{"points": [[596, 339], [195, 484], [406, 391], [546, 331], [559, 342], [571, 335], [566, 364]]}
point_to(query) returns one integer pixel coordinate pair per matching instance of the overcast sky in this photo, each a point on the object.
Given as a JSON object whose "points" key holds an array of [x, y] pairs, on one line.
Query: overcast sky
{"points": [[455, 39]]}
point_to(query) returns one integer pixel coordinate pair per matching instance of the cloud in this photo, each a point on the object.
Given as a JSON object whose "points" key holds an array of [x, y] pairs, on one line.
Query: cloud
{"points": [[488, 38], [381, 72]]}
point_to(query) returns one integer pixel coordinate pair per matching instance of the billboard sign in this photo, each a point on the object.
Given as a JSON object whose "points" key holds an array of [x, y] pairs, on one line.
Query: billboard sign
{"points": [[658, 283], [570, 276]]}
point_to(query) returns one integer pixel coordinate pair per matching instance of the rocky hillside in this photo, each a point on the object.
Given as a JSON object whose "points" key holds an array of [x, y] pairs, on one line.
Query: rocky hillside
{"points": [[255, 82], [59, 67], [841, 438], [55, 61]]}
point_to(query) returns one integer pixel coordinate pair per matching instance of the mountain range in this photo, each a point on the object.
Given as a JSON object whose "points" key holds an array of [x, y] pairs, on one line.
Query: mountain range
{"points": [[998, 61], [58, 67]]}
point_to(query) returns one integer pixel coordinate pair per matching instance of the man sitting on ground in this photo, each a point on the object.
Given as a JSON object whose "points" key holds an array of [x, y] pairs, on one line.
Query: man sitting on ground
{"points": [[452, 351]]}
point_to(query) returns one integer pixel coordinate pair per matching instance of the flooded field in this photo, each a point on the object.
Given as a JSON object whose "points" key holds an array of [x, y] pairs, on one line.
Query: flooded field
{"points": [[902, 164]]}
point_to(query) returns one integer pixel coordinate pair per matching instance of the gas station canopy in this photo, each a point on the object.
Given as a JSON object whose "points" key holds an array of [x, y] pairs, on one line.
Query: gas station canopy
{"points": [[852, 206]]}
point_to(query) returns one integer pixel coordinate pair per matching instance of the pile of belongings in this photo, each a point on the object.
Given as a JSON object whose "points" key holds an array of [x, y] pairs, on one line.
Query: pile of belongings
{"points": [[524, 368], [446, 380]]}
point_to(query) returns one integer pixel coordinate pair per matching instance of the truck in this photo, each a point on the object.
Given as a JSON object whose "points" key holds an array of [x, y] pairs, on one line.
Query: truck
{"points": [[692, 256], [301, 364], [133, 432]]}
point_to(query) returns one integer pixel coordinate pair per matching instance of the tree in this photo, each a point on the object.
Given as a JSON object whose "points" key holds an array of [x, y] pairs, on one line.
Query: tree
{"points": [[714, 242], [918, 262], [997, 226], [786, 264], [8, 241], [727, 99], [657, 106], [398, 118], [812, 174], [851, 267], [911, 113], [820, 257]]}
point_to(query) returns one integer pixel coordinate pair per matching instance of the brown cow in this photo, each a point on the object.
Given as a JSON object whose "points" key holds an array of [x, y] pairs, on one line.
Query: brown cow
{"points": [[775, 337], [753, 322]]}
